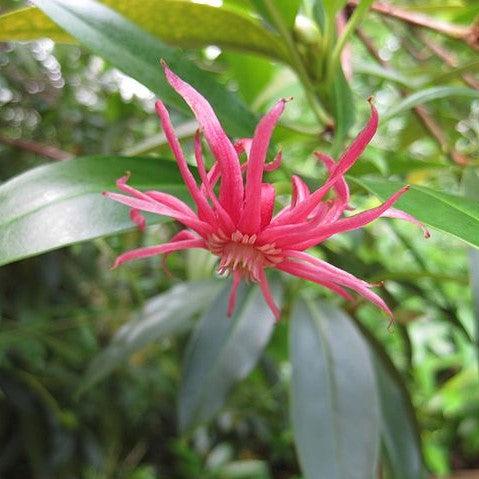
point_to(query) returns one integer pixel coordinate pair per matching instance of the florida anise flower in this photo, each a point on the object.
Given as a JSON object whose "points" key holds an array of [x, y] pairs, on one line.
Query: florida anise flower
{"points": [[238, 225]]}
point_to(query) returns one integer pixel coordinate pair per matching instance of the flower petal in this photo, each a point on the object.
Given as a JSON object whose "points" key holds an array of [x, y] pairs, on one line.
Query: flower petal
{"points": [[251, 218], [267, 204], [268, 297], [231, 190], [159, 249], [306, 238], [204, 210], [138, 219], [224, 219], [204, 229], [301, 211], [401, 215], [233, 293], [311, 273]]}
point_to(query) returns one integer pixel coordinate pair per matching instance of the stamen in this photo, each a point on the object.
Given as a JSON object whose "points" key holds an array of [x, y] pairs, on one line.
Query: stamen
{"points": [[239, 253]]}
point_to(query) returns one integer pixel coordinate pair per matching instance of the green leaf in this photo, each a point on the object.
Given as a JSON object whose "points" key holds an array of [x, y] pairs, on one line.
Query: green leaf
{"points": [[138, 54], [471, 188], [451, 214], [334, 406], [287, 9], [222, 351], [399, 429], [343, 108], [175, 22], [60, 204], [163, 316], [251, 73], [427, 95]]}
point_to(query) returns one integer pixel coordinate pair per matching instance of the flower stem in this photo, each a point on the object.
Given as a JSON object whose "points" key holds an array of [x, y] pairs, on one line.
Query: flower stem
{"points": [[351, 26], [296, 62]]}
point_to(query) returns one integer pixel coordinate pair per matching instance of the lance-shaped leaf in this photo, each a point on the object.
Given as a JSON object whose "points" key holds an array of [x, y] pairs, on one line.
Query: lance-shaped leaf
{"points": [[60, 204], [138, 54], [334, 407], [163, 316], [222, 351], [451, 214], [399, 428], [176, 22]]}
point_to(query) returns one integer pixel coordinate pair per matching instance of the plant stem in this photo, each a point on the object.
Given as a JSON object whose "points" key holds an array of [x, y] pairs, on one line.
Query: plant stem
{"points": [[351, 26], [297, 64]]}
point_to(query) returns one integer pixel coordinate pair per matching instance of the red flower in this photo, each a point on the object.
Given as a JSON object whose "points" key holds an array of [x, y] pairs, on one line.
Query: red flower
{"points": [[238, 225]]}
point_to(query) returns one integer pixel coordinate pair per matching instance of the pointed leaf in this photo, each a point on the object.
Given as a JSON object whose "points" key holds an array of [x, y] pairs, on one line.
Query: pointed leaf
{"points": [[60, 204], [138, 54], [222, 351], [163, 316], [427, 95], [399, 428], [176, 22], [334, 406], [451, 214]]}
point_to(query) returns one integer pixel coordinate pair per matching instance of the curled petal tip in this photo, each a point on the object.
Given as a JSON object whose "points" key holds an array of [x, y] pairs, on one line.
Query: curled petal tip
{"points": [[287, 99], [427, 234], [371, 100], [163, 63]]}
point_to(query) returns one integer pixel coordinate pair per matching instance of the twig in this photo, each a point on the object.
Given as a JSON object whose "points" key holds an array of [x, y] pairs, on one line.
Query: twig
{"points": [[38, 148], [421, 112], [467, 34], [449, 58]]}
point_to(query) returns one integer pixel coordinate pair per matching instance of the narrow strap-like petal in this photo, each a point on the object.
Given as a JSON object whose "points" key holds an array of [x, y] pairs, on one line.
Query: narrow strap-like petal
{"points": [[204, 229], [233, 293], [231, 190], [401, 215], [304, 240], [224, 218], [138, 219], [159, 249], [157, 196], [267, 204], [204, 210], [268, 297], [293, 268], [348, 158], [251, 217], [300, 190], [310, 273]]}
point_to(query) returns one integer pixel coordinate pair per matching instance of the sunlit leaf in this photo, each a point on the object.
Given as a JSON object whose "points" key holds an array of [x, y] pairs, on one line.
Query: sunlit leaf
{"points": [[334, 406], [222, 351], [175, 22], [451, 214], [138, 54], [163, 316], [60, 204]]}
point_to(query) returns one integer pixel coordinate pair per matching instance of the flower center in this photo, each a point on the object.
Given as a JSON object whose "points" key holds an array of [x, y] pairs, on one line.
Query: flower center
{"points": [[239, 253]]}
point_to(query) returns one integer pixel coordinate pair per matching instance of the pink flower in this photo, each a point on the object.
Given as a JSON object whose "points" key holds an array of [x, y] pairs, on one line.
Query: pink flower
{"points": [[238, 224]]}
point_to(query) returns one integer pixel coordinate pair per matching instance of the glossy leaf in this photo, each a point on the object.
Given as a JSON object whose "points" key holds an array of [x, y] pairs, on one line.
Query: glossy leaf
{"points": [[451, 214], [222, 351], [175, 22], [60, 204], [138, 54], [334, 406], [427, 95], [163, 316]]}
